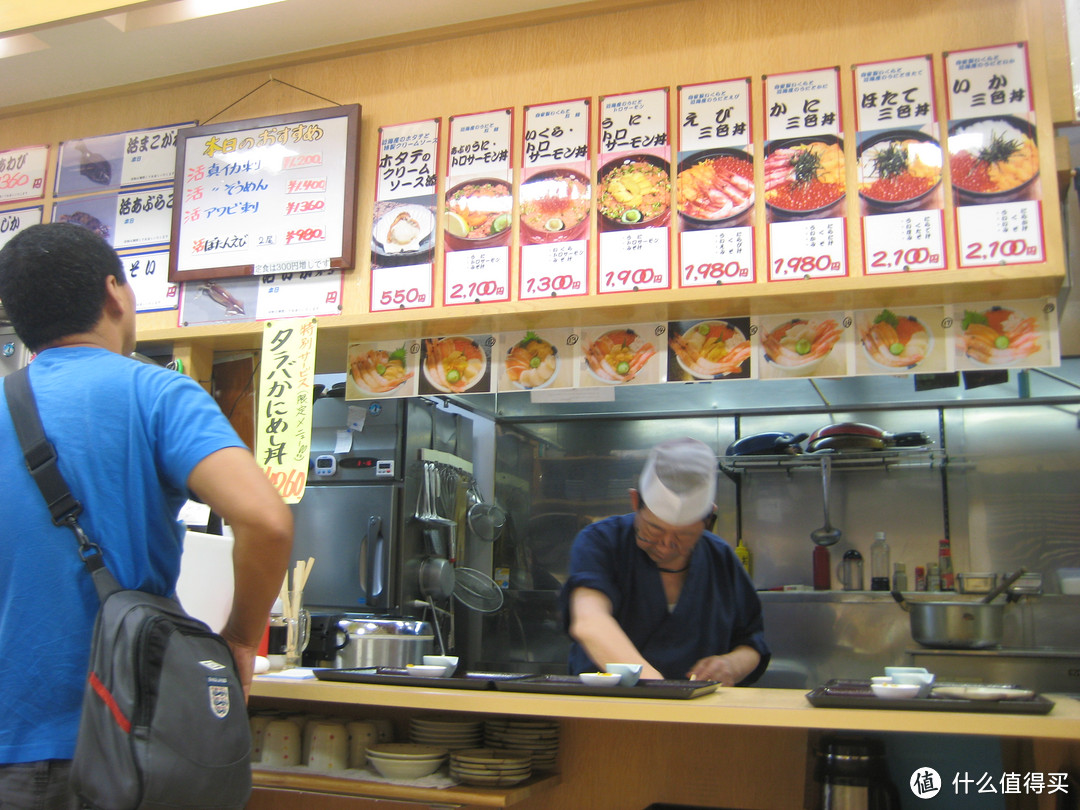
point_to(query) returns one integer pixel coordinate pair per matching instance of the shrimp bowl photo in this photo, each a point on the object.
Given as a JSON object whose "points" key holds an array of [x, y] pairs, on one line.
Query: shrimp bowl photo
{"points": [[377, 371], [797, 347], [710, 350], [894, 342], [531, 363], [453, 365], [617, 356], [999, 336]]}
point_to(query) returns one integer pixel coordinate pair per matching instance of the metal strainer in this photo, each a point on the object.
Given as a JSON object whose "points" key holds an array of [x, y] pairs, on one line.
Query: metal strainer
{"points": [[476, 590]]}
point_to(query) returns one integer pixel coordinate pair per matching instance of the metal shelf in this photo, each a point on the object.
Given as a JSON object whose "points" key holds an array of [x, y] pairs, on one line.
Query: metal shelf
{"points": [[894, 458]]}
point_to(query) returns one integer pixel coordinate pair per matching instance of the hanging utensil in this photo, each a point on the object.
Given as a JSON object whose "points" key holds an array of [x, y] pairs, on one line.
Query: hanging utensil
{"points": [[486, 521], [1004, 586], [477, 591], [827, 535]]}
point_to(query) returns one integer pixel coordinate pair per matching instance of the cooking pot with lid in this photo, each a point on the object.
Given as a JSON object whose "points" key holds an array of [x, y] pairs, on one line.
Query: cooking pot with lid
{"points": [[384, 643]]}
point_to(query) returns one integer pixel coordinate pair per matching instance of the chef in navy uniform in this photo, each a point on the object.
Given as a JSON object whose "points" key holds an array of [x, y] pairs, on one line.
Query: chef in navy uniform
{"points": [[658, 588]]}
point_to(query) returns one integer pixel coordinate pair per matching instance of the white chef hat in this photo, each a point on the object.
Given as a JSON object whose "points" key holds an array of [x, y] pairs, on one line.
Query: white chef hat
{"points": [[678, 482]]}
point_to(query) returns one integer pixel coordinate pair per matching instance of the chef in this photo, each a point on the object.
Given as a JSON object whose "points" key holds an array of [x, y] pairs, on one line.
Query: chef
{"points": [[658, 588]]}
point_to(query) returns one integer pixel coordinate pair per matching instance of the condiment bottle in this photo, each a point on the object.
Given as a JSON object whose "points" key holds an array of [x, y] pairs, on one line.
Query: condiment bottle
{"points": [[945, 568], [879, 563], [920, 578], [743, 553], [850, 571], [899, 577], [822, 569], [933, 578]]}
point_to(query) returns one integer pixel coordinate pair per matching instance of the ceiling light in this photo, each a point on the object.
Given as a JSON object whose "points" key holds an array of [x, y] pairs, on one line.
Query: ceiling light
{"points": [[180, 11], [19, 44]]}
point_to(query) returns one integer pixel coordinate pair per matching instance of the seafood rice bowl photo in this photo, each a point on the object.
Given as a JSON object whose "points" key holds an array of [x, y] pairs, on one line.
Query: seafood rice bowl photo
{"points": [[899, 170], [478, 214], [531, 363], [555, 206], [453, 365], [804, 177], [992, 159], [377, 371], [797, 347], [715, 187], [634, 192], [617, 356], [999, 336], [709, 350], [894, 342]]}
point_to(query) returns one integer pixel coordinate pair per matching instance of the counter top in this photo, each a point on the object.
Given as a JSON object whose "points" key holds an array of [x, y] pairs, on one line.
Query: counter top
{"points": [[743, 706]]}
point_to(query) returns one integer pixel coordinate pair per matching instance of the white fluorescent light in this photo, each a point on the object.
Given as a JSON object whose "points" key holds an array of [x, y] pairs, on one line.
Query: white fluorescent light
{"points": [[180, 11], [19, 44]]}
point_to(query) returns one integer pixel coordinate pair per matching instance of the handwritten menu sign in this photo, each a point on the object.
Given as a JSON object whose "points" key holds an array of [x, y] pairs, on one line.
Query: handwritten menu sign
{"points": [[283, 434], [634, 192], [715, 185], [120, 160], [403, 224], [22, 173], [18, 219], [900, 189], [269, 195], [148, 274], [555, 200], [805, 188], [994, 156], [478, 219]]}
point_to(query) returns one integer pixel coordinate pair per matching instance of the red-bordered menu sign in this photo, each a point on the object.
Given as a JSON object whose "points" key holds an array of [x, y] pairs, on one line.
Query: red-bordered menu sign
{"points": [[901, 194], [994, 156], [633, 192], [805, 189], [715, 185]]}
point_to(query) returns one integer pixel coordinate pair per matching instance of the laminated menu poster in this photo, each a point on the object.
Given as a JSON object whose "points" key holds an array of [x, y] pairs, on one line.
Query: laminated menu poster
{"points": [[125, 219], [622, 355], [119, 160], [22, 173], [901, 195], [536, 359], [633, 192], [148, 274], [709, 349], [714, 187], [555, 200], [807, 345], [456, 364], [403, 224], [382, 369], [479, 214], [1006, 334], [994, 157], [16, 220], [902, 339], [805, 186]]}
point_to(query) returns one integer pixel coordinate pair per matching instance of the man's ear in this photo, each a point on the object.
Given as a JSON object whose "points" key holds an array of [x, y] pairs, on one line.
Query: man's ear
{"points": [[114, 292]]}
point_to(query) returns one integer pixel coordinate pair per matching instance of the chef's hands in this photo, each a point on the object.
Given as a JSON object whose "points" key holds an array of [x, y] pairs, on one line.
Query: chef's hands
{"points": [[728, 669]]}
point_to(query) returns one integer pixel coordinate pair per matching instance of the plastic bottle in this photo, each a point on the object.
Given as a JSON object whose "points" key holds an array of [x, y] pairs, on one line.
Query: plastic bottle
{"points": [[822, 569], [945, 567], [879, 563], [933, 578], [899, 577], [920, 578], [743, 553], [276, 637]]}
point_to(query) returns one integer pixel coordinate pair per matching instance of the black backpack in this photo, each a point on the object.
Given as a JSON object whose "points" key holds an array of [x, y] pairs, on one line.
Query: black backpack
{"points": [[163, 722]]}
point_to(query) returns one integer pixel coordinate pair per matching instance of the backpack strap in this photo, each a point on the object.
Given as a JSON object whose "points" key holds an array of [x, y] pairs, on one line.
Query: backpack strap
{"points": [[41, 462]]}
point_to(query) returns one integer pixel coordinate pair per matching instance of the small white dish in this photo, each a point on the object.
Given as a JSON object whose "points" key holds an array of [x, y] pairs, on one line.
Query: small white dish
{"points": [[923, 680], [422, 671], [895, 691], [628, 673], [447, 662], [600, 678], [881, 679]]}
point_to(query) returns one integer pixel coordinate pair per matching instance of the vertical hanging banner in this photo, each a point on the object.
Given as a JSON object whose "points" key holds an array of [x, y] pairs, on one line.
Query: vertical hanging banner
{"points": [[22, 173], [633, 192], [555, 200], [899, 151], [403, 226], [283, 432], [715, 185], [994, 156], [805, 189], [478, 218]]}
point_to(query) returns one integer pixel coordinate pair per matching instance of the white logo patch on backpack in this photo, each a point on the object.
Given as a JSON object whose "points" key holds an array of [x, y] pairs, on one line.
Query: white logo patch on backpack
{"points": [[219, 696]]}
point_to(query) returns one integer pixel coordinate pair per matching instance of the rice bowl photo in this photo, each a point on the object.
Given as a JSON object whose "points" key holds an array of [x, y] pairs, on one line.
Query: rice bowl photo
{"points": [[617, 356], [894, 342], [711, 349], [532, 363], [378, 371], [453, 365], [798, 346], [999, 336]]}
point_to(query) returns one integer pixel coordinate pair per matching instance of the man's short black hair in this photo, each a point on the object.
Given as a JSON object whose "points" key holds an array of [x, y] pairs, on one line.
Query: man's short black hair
{"points": [[52, 281]]}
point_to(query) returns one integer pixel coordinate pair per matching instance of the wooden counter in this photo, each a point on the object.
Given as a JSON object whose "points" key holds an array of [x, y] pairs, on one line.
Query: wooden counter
{"points": [[746, 748]]}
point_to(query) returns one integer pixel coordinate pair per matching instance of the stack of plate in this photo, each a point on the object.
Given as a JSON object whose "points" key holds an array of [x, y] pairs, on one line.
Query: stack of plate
{"points": [[490, 767], [537, 737], [451, 732]]}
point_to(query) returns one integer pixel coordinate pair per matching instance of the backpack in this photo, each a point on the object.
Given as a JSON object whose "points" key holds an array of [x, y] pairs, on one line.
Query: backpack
{"points": [[163, 724]]}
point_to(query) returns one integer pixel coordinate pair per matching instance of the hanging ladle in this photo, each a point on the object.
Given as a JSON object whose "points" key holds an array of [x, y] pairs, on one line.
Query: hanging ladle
{"points": [[827, 535]]}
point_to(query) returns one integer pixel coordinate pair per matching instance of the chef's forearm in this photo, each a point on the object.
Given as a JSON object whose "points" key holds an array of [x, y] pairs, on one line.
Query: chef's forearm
{"points": [[606, 643]]}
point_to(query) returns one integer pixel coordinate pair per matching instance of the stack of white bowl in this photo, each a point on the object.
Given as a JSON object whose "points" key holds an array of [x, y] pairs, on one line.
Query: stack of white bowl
{"points": [[490, 767], [537, 737], [404, 761], [452, 732]]}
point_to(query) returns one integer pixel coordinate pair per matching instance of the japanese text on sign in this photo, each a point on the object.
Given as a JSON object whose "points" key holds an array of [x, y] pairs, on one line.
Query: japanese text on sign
{"points": [[714, 115], [891, 94], [634, 121], [988, 81], [798, 104]]}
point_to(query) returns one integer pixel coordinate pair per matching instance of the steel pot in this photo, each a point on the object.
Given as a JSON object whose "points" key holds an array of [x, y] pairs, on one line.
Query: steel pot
{"points": [[955, 625], [384, 643]]}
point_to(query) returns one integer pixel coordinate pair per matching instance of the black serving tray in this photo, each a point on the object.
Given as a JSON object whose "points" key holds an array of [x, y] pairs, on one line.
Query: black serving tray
{"points": [[857, 694], [399, 676], [572, 685]]}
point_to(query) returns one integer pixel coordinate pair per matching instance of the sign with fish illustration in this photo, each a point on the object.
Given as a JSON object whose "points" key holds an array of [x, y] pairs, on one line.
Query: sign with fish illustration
{"points": [[125, 219], [994, 157], [403, 223], [119, 160], [715, 185], [633, 192], [555, 200], [805, 189], [901, 194], [266, 196], [22, 173]]}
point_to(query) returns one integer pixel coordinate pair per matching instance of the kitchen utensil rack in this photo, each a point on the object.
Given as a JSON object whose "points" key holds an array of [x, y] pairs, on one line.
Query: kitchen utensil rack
{"points": [[894, 458]]}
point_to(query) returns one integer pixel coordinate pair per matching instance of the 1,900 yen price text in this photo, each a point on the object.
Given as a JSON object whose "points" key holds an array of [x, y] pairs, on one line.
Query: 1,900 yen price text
{"points": [[636, 278]]}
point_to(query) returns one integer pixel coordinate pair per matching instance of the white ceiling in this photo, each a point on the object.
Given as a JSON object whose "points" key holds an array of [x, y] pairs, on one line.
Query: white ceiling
{"points": [[93, 54]]}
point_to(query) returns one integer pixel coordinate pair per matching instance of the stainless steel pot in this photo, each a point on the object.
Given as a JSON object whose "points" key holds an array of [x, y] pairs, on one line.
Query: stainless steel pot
{"points": [[954, 624], [384, 643]]}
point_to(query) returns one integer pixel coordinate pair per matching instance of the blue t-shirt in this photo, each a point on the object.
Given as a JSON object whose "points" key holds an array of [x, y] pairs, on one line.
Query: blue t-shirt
{"points": [[718, 608], [127, 435]]}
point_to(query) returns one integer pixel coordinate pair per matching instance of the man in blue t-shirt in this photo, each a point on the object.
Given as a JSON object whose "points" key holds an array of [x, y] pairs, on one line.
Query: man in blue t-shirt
{"points": [[133, 441], [656, 587]]}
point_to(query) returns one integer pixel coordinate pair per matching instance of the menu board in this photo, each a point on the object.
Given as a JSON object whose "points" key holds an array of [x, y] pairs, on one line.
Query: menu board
{"points": [[18, 219], [148, 274], [555, 200], [22, 173], [267, 195], [125, 219], [805, 185], [119, 160], [633, 192], [901, 195], [994, 156], [715, 185]]}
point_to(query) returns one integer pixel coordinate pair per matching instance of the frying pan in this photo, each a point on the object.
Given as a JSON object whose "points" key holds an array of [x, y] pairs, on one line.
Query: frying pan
{"points": [[773, 443], [861, 436]]}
